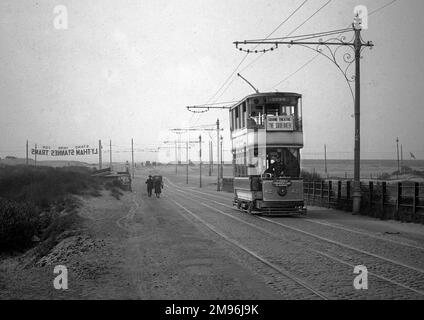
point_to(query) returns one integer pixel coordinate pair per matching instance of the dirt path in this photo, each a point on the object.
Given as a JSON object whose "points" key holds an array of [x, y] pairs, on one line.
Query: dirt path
{"points": [[134, 248], [95, 258]]}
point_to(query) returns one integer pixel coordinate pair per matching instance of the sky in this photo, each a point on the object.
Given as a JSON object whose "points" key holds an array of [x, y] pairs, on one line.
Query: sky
{"points": [[127, 69]]}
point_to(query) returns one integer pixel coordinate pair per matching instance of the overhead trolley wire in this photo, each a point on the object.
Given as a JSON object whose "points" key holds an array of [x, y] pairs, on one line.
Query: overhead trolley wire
{"points": [[307, 63], [244, 58], [382, 7], [289, 34], [316, 12]]}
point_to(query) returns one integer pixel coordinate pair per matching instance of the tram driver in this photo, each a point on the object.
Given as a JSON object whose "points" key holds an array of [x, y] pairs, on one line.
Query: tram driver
{"points": [[277, 168]]}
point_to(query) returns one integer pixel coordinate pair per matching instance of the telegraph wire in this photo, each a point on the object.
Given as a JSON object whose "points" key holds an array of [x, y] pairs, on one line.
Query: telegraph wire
{"points": [[288, 18], [241, 62], [315, 35], [244, 58], [292, 74], [303, 66], [229, 77], [210, 99], [289, 34], [382, 7], [316, 12], [275, 30]]}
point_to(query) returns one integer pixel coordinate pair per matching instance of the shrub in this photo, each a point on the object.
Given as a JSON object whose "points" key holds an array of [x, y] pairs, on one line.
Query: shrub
{"points": [[308, 176], [384, 176], [43, 186], [31, 198], [57, 226], [19, 222]]}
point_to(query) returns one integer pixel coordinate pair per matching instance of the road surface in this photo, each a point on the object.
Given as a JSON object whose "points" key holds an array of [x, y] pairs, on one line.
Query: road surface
{"points": [[192, 244], [310, 257]]}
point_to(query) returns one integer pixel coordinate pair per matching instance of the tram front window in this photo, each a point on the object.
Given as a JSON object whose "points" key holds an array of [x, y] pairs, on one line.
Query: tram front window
{"points": [[273, 109], [283, 162], [276, 168]]}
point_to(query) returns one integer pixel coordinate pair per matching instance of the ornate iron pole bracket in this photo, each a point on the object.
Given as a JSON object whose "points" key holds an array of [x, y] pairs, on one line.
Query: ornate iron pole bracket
{"points": [[330, 49]]}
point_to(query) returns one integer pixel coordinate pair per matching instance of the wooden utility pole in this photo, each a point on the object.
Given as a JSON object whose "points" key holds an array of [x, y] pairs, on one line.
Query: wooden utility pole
{"points": [[110, 154], [197, 129], [35, 156], [218, 187], [210, 158], [132, 157], [222, 159], [356, 195], [179, 149], [176, 158], [26, 152], [401, 158], [188, 162], [397, 150], [200, 158], [325, 159], [100, 154]]}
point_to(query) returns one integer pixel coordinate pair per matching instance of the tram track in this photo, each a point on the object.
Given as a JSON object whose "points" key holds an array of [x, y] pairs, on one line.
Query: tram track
{"points": [[323, 223], [407, 282], [253, 254], [311, 250]]}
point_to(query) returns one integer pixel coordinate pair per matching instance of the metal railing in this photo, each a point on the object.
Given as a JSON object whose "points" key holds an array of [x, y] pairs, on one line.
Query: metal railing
{"points": [[403, 201]]}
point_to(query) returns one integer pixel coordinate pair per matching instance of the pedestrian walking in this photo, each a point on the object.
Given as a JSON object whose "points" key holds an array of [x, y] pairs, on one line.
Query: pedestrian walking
{"points": [[158, 186], [149, 183]]}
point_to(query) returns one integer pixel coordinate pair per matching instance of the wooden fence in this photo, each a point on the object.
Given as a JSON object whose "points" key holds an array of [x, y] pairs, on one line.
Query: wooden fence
{"points": [[385, 200]]}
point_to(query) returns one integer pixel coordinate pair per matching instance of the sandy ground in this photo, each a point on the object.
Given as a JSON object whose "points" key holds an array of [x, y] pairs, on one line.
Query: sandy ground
{"points": [[133, 248]]}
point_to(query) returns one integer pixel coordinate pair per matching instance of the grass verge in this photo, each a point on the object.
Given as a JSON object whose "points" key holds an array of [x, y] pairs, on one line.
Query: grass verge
{"points": [[37, 205]]}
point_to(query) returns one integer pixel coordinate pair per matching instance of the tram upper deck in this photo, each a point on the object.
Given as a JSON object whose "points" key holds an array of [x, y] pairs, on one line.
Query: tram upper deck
{"points": [[265, 128], [279, 114]]}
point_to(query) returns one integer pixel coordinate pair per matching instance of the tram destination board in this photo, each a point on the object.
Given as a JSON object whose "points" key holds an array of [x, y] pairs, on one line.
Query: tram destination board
{"points": [[280, 123]]}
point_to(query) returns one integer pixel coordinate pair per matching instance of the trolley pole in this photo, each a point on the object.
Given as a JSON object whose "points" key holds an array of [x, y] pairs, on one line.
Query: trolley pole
{"points": [[200, 158], [218, 187], [188, 162]]}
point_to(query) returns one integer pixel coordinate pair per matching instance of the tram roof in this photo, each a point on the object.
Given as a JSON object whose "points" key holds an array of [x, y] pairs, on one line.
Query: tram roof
{"points": [[268, 94]]}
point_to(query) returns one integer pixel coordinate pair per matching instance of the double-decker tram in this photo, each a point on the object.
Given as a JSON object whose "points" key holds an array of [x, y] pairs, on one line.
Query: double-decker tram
{"points": [[267, 135]]}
